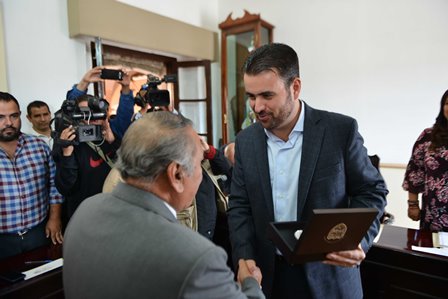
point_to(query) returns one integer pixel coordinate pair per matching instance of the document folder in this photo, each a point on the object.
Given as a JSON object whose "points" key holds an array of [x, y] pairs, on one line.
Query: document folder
{"points": [[327, 231]]}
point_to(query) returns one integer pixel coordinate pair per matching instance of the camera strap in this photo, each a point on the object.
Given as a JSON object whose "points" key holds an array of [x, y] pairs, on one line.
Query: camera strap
{"points": [[101, 153], [222, 200]]}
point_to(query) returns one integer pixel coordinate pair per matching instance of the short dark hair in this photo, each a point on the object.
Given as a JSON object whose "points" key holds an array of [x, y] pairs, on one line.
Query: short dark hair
{"points": [[88, 97], [277, 57], [36, 104], [7, 97]]}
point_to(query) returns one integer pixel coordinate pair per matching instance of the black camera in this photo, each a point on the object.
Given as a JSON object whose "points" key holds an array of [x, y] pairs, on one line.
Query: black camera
{"points": [[152, 95], [79, 117]]}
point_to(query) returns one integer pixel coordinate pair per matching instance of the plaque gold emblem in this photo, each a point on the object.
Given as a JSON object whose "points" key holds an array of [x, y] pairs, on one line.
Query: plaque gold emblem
{"points": [[336, 233]]}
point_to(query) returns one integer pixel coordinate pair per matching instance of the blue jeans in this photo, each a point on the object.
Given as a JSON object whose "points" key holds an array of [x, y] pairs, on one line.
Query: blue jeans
{"points": [[13, 244]]}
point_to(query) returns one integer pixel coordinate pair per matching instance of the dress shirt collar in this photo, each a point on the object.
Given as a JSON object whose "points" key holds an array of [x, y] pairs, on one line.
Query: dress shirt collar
{"points": [[172, 210]]}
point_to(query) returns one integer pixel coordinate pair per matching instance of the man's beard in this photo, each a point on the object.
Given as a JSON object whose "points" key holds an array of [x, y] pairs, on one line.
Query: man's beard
{"points": [[10, 136], [283, 114]]}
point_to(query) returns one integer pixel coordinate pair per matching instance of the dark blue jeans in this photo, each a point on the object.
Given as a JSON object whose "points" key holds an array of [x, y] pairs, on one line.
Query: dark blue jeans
{"points": [[14, 244]]}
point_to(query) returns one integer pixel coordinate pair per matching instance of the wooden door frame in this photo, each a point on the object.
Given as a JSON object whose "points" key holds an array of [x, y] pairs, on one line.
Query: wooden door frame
{"points": [[208, 100]]}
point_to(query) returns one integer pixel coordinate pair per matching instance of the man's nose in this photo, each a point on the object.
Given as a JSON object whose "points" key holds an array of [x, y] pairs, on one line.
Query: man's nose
{"points": [[8, 120], [258, 105]]}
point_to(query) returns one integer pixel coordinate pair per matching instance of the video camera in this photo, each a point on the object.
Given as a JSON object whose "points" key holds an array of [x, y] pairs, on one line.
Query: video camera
{"points": [[152, 95], [80, 117]]}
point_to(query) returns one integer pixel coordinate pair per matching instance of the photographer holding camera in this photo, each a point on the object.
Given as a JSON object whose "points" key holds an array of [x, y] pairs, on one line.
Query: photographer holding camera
{"points": [[87, 143], [82, 166], [125, 110]]}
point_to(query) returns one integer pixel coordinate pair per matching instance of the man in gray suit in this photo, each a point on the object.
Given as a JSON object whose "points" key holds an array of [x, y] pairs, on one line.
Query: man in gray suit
{"points": [[293, 160], [128, 244]]}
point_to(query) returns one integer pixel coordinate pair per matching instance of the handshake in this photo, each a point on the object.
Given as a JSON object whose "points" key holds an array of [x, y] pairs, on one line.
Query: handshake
{"points": [[248, 268]]}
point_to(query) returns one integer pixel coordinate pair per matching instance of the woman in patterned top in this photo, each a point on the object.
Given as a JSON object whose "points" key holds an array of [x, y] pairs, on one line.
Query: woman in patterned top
{"points": [[427, 173]]}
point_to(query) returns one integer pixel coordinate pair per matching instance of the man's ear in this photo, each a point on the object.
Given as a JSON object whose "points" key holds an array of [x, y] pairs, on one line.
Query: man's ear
{"points": [[28, 117], [296, 87], [176, 176]]}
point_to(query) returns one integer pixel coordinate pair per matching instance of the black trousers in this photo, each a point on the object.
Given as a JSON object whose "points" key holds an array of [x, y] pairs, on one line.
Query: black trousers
{"points": [[14, 244], [289, 281]]}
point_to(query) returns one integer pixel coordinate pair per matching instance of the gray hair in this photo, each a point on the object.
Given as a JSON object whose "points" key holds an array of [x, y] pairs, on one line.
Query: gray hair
{"points": [[152, 143]]}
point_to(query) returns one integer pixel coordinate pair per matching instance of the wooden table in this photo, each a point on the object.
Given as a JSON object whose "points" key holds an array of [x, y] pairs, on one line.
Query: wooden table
{"points": [[393, 270], [47, 285]]}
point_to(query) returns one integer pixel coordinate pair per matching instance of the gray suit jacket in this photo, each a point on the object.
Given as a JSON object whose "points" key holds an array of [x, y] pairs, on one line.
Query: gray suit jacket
{"points": [[335, 172], [127, 244]]}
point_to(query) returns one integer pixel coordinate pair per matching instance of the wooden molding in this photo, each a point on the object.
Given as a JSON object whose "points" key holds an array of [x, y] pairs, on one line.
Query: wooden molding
{"points": [[247, 18], [117, 22], [393, 165]]}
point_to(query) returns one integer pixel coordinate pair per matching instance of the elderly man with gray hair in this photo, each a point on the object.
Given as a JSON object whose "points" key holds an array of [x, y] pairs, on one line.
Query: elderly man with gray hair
{"points": [[128, 243]]}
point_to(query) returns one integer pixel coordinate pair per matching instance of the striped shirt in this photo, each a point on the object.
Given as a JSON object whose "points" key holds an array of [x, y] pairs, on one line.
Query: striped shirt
{"points": [[26, 185]]}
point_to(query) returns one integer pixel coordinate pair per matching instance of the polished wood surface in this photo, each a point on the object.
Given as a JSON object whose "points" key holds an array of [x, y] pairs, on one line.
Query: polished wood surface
{"points": [[393, 270], [47, 285]]}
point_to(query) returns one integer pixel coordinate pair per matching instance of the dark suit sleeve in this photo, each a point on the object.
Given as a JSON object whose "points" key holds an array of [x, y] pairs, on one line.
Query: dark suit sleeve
{"points": [[241, 223], [365, 185], [211, 278], [125, 110]]}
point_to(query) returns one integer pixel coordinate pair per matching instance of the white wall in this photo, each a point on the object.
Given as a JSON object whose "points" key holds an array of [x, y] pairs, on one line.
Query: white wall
{"points": [[3, 80], [396, 199], [42, 61]]}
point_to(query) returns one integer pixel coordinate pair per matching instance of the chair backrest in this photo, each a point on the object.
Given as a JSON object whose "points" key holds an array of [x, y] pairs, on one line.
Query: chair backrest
{"points": [[375, 161], [386, 218]]}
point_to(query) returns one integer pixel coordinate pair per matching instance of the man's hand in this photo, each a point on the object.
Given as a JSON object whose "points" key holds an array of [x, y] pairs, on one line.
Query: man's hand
{"points": [[107, 132], [53, 228], [126, 81], [93, 75], [349, 258], [248, 268], [205, 146], [68, 134], [128, 75]]}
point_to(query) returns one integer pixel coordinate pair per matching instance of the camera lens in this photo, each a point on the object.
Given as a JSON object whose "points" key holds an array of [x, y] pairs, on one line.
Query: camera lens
{"points": [[97, 104]]}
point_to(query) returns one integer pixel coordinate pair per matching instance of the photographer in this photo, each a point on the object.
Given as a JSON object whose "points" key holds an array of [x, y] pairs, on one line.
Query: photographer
{"points": [[82, 168], [125, 110]]}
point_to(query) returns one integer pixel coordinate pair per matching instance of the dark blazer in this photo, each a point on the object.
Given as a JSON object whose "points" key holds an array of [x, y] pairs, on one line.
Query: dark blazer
{"points": [[127, 244], [335, 172]]}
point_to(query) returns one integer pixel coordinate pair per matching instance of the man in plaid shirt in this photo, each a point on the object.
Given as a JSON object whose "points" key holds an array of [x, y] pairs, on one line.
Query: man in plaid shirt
{"points": [[30, 205]]}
